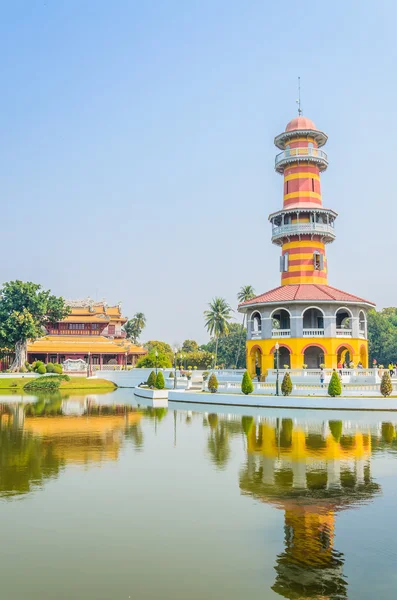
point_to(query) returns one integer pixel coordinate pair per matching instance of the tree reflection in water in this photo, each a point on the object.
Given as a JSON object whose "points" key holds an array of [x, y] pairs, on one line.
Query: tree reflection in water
{"points": [[26, 460]]}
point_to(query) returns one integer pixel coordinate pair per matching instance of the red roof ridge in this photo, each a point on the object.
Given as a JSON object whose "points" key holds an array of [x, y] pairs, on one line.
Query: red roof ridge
{"points": [[315, 292], [349, 294], [259, 296]]}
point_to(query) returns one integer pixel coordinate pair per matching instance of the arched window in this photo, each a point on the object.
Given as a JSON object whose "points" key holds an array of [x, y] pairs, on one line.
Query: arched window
{"points": [[344, 319], [256, 322], [362, 324], [313, 318], [284, 263], [281, 320], [318, 261]]}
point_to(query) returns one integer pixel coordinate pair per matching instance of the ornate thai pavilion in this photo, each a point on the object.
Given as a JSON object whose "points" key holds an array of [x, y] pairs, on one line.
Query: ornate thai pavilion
{"points": [[313, 323], [91, 330]]}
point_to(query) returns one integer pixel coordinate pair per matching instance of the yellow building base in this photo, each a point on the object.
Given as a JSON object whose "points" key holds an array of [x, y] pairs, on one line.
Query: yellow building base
{"points": [[260, 353]]}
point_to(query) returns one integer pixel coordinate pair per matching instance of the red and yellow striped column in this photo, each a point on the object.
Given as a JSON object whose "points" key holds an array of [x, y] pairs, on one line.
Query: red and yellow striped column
{"points": [[302, 181], [302, 189], [301, 267]]}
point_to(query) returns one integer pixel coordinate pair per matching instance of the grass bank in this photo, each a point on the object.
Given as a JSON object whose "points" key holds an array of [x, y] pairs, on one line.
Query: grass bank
{"points": [[75, 383]]}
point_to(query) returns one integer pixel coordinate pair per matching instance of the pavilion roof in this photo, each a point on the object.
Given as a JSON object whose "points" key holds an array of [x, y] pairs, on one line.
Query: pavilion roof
{"points": [[305, 292], [81, 344]]}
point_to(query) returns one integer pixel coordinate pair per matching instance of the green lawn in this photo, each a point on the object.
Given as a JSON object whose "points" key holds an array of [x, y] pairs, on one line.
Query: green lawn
{"points": [[75, 383]]}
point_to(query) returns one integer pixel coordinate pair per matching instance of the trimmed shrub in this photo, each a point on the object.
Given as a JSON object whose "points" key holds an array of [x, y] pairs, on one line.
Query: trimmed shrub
{"points": [[151, 380], [50, 367], [171, 375], [36, 365], [160, 383], [335, 386], [336, 429], [386, 387], [247, 387], [213, 384], [286, 386], [58, 369], [41, 370]]}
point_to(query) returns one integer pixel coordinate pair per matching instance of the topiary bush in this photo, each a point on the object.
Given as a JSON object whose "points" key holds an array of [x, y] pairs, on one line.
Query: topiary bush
{"points": [[335, 386], [171, 375], [213, 384], [386, 387], [160, 383], [36, 365], [50, 367], [286, 385], [151, 380], [58, 369], [247, 387], [41, 370]]}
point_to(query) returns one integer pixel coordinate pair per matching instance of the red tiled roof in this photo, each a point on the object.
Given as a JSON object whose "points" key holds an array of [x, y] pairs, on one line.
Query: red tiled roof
{"points": [[304, 292]]}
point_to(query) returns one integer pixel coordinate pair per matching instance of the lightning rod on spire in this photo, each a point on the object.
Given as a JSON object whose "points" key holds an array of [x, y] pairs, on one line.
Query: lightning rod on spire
{"points": [[299, 97]]}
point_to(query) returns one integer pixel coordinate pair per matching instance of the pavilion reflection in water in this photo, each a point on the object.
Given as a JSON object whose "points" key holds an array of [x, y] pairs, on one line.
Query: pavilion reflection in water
{"points": [[311, 472]]}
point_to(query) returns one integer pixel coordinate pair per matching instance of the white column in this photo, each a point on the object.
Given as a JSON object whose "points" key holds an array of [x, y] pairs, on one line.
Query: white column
{"points": [[268, 469], [333, 473], [359, 471], [299, 475]]}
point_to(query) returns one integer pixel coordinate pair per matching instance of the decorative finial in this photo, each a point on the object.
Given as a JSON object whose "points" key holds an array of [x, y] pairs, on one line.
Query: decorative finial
{"points": [[299, 97]]}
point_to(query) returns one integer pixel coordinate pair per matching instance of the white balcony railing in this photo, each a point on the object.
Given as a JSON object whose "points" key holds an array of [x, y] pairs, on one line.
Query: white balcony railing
{"points": [[361, 333], [292, 154], [304, 228], [344, 332], [256, 335], [278, 333], [315, 332]]}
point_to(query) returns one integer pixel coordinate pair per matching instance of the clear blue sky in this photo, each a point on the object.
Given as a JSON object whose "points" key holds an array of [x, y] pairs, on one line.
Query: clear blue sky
{"points": [[137, 157]]}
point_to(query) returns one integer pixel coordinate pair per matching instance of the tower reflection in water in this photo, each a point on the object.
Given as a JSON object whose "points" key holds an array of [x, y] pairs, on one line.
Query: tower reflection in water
{"points": [[311, 472]]}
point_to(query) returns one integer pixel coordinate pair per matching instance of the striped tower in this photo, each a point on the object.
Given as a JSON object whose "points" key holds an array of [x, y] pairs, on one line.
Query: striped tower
{"points": [[303, 227]]}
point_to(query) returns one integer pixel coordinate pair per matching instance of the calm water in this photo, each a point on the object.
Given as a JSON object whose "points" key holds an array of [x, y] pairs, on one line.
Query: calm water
{"points": [[103, 499]]}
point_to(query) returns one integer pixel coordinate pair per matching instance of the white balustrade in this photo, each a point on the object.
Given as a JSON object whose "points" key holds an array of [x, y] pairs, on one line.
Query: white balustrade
{"points": [[301, 153], [303, 228], [344, 332], [277, 333], [315, 332]]}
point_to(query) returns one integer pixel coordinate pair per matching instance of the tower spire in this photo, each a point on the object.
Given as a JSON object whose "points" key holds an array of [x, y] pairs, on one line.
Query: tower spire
{"points": [[299, 97]]}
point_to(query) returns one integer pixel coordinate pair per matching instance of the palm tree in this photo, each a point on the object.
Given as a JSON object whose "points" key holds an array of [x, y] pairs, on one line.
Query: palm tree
{"points": [[217, 320], [135, 326], [246, 292]]}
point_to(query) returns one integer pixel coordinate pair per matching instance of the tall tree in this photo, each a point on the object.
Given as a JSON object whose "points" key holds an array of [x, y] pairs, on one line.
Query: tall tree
{"points": [[217, 320], [25, 308], [246, 293], [227, 348], [135, 326], [189, 346]]}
